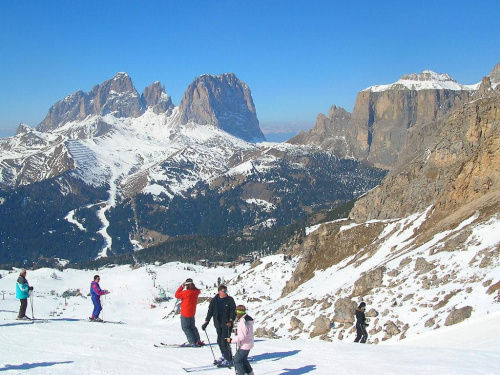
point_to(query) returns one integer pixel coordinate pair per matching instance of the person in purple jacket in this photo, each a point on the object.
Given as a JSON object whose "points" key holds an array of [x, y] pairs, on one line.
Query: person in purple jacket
{"points": [[96, 292]]}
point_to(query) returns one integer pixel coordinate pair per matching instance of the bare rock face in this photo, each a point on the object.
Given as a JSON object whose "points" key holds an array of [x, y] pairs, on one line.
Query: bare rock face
{"points": [[329, 245], [391, 329], [422, 266], [344, 310], [457, 316], [296, 323], [446, 163], [329, 132], [23, 129], [224, 102], [368, 281], [382, 115], [74, 107], [116, 96], [321, 326], [155, 98]]}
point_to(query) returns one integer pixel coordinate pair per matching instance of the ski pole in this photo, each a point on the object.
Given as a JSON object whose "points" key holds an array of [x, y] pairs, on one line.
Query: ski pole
{"points": [[31, 303], [210, 344], [236, 353], [103, 300]]}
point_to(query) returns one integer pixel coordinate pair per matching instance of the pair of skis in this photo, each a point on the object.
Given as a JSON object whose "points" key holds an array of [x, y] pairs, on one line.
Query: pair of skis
{"points": [[215, 367], [29, 320], [165, 346], [205, 368], [105, 321]]}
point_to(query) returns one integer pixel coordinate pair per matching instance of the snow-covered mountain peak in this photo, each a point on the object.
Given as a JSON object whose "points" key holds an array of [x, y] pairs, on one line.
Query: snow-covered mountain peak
{"points": [[427, 80]]}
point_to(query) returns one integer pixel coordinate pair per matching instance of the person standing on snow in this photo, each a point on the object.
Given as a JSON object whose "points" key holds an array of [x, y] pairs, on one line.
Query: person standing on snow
{"points": [[96, 293], [244, 341], [223, 309], [22, 294], [189, 299], [361, 325]]}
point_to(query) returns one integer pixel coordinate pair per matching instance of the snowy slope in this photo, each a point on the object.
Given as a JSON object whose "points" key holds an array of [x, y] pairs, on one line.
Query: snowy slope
{"points": [[67, 345]]}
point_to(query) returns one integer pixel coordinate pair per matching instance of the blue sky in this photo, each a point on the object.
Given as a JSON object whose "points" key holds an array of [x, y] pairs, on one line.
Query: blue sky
{"points": [[298, 57]]}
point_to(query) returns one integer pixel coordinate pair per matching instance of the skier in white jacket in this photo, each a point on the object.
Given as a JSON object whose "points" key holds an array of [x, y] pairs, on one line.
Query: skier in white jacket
{"points": [[244, 340]]}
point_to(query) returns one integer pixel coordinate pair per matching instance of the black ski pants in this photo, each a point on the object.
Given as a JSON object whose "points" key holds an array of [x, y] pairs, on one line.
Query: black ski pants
{"points": [[223, 332], [361, 334]]}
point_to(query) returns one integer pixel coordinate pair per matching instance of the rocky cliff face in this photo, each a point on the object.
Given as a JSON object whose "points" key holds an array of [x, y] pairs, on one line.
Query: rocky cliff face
{"points": [[420, 248], [117, 96], [448, 163], [156, 99], [448, 169], [377, 129], [329, 132], [224, 102], [383, 115]]}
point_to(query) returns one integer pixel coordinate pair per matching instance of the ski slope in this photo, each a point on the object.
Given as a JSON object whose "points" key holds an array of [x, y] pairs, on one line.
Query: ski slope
{"points": [[66, 344]]}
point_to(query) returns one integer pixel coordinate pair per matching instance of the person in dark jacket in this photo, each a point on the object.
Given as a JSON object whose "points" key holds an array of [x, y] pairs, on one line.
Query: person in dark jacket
{"points": [[223, 309], [22, 293], [361, 334], [96, 292]]}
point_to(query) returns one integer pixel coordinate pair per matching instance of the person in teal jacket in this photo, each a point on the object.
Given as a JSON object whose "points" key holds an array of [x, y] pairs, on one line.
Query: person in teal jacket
{"points": [[22, 293]]}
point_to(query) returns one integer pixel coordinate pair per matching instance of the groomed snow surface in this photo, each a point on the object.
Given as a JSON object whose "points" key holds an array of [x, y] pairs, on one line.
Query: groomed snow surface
{"points": [[67, 344]]}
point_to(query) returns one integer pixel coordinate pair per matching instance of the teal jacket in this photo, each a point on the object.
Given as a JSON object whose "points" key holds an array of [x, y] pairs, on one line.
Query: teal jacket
{"points": [[22, 288]]}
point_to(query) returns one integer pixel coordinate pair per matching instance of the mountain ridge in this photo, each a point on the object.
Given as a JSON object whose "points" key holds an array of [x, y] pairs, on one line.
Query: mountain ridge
{"points": [[377, 128]]}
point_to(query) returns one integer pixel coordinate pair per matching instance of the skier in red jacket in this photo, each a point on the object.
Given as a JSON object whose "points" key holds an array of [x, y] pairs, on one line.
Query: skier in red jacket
{"points": [[189, 299]]}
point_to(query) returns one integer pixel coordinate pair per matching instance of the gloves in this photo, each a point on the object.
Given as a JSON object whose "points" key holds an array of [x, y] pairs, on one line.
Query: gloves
{"points": [[204, 326], [30, 288]]}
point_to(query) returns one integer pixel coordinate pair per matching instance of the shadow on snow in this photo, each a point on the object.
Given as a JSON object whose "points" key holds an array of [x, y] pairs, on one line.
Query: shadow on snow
{"points": [[299, 371], [280, 355], [273, 356], [27, 366]]}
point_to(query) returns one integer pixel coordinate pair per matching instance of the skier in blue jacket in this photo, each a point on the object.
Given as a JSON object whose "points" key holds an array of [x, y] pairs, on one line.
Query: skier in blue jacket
{"points": [[96, 293], [22, 293]]}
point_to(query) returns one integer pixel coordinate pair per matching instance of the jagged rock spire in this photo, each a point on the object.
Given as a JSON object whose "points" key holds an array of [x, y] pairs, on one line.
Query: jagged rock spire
{"points": [[224, 102]]}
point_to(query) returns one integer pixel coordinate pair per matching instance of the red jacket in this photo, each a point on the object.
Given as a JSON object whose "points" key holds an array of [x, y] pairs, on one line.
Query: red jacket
{"points": [[189, 298]]}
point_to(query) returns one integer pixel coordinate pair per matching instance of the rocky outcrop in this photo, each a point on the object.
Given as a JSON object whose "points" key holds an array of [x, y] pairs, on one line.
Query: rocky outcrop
{"points": [[458, 315], [368, 281], [329, 245], [489, 84], [376, 131], [344, 310], [23, 129], [224, 102], [446, 164], [155, 98], [329, 133], [321, 326], [383, 114], [116, 96]]}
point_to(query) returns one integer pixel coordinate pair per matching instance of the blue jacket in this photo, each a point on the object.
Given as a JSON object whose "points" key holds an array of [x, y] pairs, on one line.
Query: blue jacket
{"points": [[22, 288]]}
